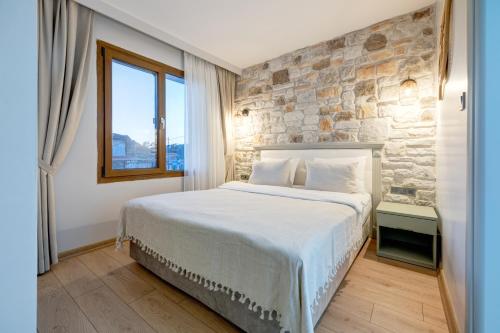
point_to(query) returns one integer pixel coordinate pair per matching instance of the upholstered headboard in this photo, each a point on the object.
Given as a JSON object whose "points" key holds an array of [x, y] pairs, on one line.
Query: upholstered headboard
{"points": [[372, 152]]}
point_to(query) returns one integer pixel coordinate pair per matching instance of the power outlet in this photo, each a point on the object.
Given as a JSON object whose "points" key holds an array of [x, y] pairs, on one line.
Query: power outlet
{"points": [[244, 177], [408, 191]]}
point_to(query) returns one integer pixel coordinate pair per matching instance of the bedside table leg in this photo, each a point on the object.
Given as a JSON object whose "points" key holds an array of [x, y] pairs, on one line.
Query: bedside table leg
{"points": [[378, 238], [434, 250]]}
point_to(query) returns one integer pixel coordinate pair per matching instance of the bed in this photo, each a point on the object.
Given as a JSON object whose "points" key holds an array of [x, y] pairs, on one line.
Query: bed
{"points": [[267, 258]]}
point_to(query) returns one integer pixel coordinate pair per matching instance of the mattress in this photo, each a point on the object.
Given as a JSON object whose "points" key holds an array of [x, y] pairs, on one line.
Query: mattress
{"points": [[278, 250]]}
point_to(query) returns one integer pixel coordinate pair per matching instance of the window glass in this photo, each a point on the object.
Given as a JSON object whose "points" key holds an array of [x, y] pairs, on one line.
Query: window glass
{"points": [[134, 119], [174, 126]]}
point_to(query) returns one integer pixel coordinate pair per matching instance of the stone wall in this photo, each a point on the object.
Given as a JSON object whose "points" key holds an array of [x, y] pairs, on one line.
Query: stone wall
{"points": [[348, 89]]}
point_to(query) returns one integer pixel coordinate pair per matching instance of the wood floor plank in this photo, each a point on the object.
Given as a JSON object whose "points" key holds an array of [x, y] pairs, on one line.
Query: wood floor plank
{"points": [[379, 271], [164, 315], [76, 278], [165, 288], [99, 262], [352, 304], [401, 288], [121, 255], [126, 285], [379, 296], [322, 329], [57, 312], [47, 283], [398, 272], [108, 313], [207, 316], [435, 316], [397, 322], [340, 321]]}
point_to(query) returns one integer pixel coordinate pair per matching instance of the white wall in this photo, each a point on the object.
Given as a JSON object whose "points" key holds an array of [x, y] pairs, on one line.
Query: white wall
{"points": [[18, 167], [87, 212], [451, 167]]}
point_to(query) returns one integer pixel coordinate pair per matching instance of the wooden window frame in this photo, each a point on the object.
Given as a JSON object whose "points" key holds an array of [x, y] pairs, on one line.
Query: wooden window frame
{"points": [[106, 53]]}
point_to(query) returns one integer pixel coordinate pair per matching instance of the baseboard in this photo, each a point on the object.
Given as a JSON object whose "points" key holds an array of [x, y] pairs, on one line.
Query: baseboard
{"points": [[73, 238], [86, 248], [449, 311]]}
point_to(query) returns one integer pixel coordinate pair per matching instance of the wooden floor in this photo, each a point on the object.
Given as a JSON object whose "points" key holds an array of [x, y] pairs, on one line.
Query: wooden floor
{"points": [[107, 291]]}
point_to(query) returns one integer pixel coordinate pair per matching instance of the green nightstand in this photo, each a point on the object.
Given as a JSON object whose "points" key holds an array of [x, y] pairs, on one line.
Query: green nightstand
{"points": [[407, 233]]}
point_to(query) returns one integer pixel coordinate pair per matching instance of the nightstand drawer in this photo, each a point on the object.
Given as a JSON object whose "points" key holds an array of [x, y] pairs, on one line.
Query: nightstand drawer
{"points": [[407, 223]]}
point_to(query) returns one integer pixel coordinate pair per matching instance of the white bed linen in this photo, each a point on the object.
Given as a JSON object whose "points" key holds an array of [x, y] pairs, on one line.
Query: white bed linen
{"points": [[278, 247]]}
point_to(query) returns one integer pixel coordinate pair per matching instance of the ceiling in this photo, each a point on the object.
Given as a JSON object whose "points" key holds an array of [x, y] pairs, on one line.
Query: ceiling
{"points": [[241, 33]]}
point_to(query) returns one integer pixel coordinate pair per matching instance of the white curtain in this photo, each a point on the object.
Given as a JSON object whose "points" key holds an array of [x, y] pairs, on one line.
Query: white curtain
{"points": [[227, 87], [65, 30], [204, 166]]}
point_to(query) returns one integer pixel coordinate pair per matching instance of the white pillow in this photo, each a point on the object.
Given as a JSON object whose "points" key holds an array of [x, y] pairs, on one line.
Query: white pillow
{"points": [[294, 162], [360, 171], [271, 172], [331, 176]]}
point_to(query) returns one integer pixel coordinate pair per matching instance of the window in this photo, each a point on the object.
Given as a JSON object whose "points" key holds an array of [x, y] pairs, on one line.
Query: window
{"points": [[140, 117]]}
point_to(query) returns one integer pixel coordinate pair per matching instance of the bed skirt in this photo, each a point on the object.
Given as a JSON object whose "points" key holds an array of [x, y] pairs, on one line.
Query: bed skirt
{"points": [[236, 312]]}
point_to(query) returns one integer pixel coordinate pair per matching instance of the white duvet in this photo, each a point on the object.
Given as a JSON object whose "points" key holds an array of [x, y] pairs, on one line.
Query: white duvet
{"points": [[277, 247]]}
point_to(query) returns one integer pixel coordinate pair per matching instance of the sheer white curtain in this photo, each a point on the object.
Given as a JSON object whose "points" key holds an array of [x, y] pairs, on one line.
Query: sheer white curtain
{"points": [[204, 166]]}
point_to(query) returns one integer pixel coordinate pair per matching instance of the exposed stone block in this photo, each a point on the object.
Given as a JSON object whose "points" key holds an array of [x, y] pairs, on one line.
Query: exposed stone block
{"points": [[395, 148], [322, 64], [311, 119], [380, 55], [365, 73], [340, 136], [292, 116], [281, 77], [375, 42], [325, 137], [347, 73], [296, 138], [428, 31], [376, 129], [336, 44], [421, 14], [347, 124], [353, 52], [330, 109], [389, 93], [366, 107], [365, 88], [328, 92], [344, 115], [388, 68], [326, 124], [328, 78], [307, 96]]}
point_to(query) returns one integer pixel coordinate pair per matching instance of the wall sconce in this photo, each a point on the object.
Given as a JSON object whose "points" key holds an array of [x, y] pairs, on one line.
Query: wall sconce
{"points": [[245, 112], [408, 89]]}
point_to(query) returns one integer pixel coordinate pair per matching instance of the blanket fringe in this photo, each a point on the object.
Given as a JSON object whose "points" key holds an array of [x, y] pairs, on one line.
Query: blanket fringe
{"points": [[269, 314], [320, 293]]}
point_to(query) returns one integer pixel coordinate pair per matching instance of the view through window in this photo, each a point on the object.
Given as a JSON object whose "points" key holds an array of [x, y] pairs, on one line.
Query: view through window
{"points": [[134, 117]]}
